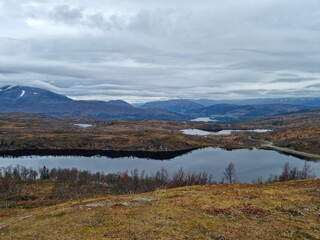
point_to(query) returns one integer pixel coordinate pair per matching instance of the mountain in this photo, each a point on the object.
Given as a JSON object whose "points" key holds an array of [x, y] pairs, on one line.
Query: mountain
{"points": [[243, 112], [232, 110], [22, 96], [36, 100], [178, 106], [306, 101]]}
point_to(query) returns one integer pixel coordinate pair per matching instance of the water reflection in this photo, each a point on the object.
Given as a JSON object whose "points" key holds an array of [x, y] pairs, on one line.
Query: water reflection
{"points": [[250, 164], [221, 132]]}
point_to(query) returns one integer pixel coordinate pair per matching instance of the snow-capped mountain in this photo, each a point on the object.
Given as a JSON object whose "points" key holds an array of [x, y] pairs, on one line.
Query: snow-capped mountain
{"points": [[20, 95], [37, 100]]}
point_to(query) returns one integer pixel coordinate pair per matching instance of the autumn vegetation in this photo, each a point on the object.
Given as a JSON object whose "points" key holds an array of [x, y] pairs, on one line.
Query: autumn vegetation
{"points": [[282, 210], [18, 185], [135, 205], [300, 131]]}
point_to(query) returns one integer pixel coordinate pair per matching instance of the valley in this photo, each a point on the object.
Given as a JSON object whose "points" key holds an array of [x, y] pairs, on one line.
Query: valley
{"points": [[120, 160], [32, 131], [133, 120]]}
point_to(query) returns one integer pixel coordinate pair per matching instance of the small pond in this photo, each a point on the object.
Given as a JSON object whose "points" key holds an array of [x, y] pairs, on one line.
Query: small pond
{"points": [[84, 125], [203, 119]]}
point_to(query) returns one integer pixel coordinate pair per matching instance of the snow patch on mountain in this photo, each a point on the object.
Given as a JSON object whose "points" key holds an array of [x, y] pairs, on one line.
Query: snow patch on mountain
{"points": [[8, 88], [22, 93]]}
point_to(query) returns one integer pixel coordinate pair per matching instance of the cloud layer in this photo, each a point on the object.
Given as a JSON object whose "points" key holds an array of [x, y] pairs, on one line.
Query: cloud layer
{"points": [[147, 50]]}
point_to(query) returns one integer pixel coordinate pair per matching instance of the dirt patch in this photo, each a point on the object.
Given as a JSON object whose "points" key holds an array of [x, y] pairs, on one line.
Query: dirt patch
{"points": [[219, 211], [291, 212], [251, 211]]}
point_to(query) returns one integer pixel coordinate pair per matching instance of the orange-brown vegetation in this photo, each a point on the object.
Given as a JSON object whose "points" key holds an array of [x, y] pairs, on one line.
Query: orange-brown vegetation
{"points": [[287, 210], [299, 131]]}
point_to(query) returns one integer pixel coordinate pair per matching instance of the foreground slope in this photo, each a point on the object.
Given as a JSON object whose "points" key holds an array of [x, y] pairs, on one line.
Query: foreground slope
{"points": [[287, 210]]}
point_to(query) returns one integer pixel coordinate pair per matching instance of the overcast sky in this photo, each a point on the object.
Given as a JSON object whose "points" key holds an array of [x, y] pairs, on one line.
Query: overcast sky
{"points": [[146, 50]]}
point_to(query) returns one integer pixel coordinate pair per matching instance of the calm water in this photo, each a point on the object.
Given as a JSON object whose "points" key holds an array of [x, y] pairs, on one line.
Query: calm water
{"points": [[222, 132], [203, 119], [249, 163], [84, 125]]}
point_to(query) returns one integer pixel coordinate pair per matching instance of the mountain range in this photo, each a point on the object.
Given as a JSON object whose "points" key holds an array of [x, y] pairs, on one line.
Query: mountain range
{"points": [[37, 100], [224, 112], [305, 101]]}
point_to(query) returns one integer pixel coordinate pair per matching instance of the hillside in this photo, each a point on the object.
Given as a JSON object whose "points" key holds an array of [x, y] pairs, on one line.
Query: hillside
{"points": [[229, 112], [299, 131], [301, 101], [288, 210], [178, 106], [36, 100]]}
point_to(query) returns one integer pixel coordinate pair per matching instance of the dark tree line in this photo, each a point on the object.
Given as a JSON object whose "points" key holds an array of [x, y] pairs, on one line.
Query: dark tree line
{"points": [[11, 189], [75, 183], [72, 183]]}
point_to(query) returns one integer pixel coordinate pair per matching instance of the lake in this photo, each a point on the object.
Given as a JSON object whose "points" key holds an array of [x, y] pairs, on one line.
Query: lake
{"points": [[250, 164], [221, 132]]}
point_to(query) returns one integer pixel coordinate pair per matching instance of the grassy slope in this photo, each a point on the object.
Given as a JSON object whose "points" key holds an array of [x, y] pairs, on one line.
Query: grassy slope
{"points": [[288, 210]]}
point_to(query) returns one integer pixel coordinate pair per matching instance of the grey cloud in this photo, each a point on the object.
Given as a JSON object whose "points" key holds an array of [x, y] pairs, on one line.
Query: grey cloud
{"points": [[67, 14], [162, 49], [294, 79], [317, 86]]}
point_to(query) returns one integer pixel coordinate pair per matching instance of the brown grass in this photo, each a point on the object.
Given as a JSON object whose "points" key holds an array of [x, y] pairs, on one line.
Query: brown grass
{"points": [[287, 210]]}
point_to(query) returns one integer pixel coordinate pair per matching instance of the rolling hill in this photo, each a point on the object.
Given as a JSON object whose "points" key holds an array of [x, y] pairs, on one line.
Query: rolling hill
{"points": [[243, 112], [224, 112], [176, 105], [301, 101]]}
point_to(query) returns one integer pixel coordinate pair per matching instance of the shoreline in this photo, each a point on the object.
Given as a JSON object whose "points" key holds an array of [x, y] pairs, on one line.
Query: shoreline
{"points": [[156, 155], [300, 154]]}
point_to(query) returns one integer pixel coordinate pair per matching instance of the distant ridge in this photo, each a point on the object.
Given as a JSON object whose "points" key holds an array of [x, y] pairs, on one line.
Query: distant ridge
{"points": [[178, 105], [302, 101], [224, 111], [37, 100]]}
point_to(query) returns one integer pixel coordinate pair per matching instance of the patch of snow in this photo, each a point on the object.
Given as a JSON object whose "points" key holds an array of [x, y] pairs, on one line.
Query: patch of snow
{"points": [[8, 88], [22, 93]]}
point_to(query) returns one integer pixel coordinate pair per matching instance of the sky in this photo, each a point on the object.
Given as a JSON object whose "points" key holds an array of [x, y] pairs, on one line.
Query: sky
{"points": [[147, 50]]}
